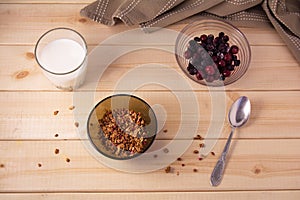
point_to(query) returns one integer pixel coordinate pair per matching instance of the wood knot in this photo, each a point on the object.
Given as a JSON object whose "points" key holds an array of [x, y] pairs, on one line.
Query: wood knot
{"points": [[257, 170], [29, 55], [22, 74], [82, 20]]}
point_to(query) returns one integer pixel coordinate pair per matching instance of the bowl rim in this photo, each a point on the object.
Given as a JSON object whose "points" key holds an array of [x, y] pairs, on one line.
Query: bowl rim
{"points": [[129, 96], [199, 21]]}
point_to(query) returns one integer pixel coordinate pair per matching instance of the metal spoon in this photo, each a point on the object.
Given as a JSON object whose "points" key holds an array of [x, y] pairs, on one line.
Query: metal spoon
{"points": [[238, 115]]}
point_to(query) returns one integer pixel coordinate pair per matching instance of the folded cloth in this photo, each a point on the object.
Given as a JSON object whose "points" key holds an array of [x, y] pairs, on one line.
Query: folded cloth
{"points": [[284, 15]]}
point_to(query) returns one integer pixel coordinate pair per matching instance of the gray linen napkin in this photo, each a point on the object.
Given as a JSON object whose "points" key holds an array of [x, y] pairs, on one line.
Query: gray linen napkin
{"points": [[284, 15]]}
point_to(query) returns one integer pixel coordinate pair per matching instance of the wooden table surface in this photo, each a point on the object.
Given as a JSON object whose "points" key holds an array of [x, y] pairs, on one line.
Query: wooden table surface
{"points": [[265, 160]]}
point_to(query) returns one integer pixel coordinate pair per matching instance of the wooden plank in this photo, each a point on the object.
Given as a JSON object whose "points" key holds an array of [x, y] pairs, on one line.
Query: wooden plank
{"points": [[36, 19], [253, 165], [29, 115], [266, 66], [249, 195]]}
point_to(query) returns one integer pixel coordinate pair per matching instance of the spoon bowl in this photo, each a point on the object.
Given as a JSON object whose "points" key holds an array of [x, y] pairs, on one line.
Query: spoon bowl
{"points": [[238, 115], [239, 112]]}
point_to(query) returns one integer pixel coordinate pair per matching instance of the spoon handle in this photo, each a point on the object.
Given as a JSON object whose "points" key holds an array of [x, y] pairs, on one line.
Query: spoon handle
{"points": [[217, 174]]}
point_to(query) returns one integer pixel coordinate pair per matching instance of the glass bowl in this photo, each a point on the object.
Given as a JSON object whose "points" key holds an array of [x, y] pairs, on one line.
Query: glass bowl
{"points": [[212, 26], [115, 126]]}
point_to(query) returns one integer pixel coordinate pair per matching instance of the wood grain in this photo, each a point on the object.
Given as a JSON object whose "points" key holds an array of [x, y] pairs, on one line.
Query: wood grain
{"points": [[282, 67], [29, 115], [249, 195], [38, 18], [253, 165]]}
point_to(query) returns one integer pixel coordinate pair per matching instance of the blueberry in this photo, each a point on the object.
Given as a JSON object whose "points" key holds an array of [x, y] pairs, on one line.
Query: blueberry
{"points": [[197, 39], [225, 38], [237, 62], [221, 34]]}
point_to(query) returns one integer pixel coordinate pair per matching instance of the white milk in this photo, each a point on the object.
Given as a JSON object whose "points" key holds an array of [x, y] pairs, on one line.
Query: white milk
{"points": [[63, 56]]}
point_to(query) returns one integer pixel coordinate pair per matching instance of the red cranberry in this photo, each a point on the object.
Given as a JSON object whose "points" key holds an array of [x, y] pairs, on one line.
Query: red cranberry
{"points": [[222, 63], [203, 38], [216, 41], [188, 54], [226, 73], [199, 76], [210, 70], [234, 49], [210, 47], [215, 59], [228, 57]]}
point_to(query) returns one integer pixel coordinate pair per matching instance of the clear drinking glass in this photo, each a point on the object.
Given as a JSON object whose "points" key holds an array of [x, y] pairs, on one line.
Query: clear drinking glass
{"points": [[62, 55]]}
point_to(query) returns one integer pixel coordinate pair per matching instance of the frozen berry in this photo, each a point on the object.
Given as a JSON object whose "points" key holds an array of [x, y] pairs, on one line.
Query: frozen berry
{"points": [[237, 62], [197, 39], [210, 47], [226, 73], [222, 63], [193, 71], [211, 58], [225, 38], [228, 57], [215, 59], [199, 76], [216, 41], [203, 38], [210, 70], [188, 54], [234, 49], [221, 34]]}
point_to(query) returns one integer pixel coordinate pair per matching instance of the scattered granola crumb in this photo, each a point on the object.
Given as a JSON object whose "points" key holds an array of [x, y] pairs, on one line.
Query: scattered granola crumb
{"points": [[55, 112], [195, 170], [168, 169], [195, 151], [182, 164], [91, 124], [166, 150], [201, 145], [56, 135], [200, 158], [71, 107], [177, 173], [56, 151], [2, 165], [39, 165], [179, 159], [165, 130], [68, 160], [76, 124], [198, 137], [213, 153]]}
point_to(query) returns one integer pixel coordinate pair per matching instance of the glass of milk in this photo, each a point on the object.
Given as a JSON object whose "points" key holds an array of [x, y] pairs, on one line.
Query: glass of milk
{"points": [[62, 55]]}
